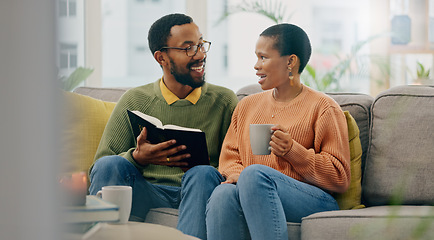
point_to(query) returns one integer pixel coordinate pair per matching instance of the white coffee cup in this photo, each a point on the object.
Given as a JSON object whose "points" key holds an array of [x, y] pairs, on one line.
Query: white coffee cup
{"points": [[121, 196], [260, 137]]}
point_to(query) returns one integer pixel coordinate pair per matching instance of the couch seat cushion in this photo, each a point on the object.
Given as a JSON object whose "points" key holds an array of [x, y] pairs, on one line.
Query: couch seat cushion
{"points": [[381, 222], [169, 217]]}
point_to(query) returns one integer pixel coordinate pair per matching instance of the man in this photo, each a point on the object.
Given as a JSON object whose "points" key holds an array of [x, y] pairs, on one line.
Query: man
{"points": [[180, 97]]}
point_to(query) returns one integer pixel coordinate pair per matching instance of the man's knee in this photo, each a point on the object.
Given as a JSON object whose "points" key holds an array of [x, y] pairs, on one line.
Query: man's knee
{"points": [[109, 163], [202, 173], [111, 170]]}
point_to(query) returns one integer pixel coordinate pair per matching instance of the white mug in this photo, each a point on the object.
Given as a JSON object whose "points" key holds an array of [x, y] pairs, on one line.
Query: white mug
{"points": [[121, 196], [260, 137]]}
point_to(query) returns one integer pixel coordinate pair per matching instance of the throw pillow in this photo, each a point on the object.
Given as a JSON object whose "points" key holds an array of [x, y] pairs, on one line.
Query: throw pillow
{"points": [[351, 199], [84, 122]]}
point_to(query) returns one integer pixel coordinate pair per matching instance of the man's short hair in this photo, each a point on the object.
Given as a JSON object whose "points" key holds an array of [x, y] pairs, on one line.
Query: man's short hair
{"points": [[159, 32], [290, 39]]}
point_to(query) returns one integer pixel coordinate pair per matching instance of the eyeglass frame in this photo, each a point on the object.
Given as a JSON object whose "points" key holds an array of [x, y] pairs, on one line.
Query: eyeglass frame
{"points": [[200, 45]]}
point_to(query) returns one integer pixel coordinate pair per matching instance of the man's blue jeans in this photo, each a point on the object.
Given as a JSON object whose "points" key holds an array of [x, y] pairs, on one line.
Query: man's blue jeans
{"points": [[190, 198], [261, 203]]}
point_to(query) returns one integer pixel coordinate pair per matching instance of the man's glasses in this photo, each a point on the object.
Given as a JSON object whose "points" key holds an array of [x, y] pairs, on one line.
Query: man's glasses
{"points": [[192, 50]]}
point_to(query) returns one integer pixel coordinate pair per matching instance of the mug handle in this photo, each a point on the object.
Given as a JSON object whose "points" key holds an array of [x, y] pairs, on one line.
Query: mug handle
{"points": [[99, 194]]}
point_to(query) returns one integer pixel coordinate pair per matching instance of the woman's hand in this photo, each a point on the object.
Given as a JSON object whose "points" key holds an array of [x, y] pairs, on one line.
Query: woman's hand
{"points": [[232, 179], [281, 141]]}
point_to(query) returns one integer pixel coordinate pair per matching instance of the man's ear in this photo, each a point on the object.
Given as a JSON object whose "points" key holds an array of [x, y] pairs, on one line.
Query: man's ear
{"points": [[159, 57]]}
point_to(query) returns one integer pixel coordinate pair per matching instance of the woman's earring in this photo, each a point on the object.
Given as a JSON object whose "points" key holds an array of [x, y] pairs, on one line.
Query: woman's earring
{"points": [[291, 77]]}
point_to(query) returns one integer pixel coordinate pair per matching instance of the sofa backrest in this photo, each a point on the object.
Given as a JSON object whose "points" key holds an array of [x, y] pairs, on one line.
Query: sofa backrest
{"points": [[357, 104], [400, 158], [104, 94]]}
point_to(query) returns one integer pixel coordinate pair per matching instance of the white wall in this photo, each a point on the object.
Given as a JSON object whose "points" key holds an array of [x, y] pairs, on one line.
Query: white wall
{"points": [[28, 121]]}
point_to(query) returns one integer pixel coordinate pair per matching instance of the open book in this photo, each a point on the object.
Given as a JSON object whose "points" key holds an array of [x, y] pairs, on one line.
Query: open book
{"points": [[193, 139]]}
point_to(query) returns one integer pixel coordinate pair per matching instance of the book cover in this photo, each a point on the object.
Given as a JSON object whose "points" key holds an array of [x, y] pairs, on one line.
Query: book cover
{"points": [[193, 139], [95, 210]]}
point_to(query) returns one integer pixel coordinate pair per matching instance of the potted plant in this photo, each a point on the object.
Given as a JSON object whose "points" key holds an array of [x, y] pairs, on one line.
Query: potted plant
{"points": [[422, 74]]}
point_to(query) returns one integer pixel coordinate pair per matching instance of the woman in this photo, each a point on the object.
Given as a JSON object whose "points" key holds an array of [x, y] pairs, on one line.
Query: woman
{"points": [[310, 156]]}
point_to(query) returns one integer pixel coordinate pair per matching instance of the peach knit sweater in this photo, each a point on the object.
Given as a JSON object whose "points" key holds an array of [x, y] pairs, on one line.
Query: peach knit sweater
{"points": [[320, 154]]}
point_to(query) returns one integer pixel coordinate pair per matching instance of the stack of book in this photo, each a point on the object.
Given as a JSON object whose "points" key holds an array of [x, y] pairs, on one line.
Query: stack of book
{"points": [[83, 220]]}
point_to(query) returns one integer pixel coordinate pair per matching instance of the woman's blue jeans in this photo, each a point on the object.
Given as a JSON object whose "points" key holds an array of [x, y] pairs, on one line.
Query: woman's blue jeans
{"points": [[261, 203], [190, 198]]}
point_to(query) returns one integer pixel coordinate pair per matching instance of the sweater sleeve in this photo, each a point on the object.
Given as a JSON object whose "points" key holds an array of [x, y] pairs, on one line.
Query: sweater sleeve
{"points": [[327, 164], [118, 138], [231, 102], [230, 161]]}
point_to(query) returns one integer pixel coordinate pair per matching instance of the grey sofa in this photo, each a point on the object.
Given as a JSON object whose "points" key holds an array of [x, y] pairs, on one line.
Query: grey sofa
{"points": [[397, 137]]}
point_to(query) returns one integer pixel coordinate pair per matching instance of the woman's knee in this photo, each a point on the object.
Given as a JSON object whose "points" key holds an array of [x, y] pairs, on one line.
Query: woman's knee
{"points": [[254, 173], [223, 194]]}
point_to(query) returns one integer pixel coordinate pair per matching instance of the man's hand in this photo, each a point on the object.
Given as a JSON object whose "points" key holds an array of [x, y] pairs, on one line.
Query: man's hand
{"points": [[281, 141], [158, 154]]}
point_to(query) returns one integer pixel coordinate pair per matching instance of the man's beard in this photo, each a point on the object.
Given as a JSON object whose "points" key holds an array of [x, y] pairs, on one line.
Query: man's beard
{"points": [[186, 78]]}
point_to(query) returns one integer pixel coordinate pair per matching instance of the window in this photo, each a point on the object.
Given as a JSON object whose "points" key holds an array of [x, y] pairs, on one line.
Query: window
{"points": [[67, 8], [127, 60], [68, 56], [70, 36], [335, 29], [232, 57]]}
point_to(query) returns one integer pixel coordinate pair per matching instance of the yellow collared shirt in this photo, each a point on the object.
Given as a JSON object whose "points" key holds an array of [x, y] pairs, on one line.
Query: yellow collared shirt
{"points": [[170, 97]]}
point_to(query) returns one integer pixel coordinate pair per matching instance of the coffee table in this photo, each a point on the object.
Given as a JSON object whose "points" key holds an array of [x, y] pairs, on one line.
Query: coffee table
{"points": [[133, 231]]}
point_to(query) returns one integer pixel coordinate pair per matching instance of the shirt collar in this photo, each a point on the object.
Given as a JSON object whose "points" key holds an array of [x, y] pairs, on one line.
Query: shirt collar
{"points": [[170, 97]]}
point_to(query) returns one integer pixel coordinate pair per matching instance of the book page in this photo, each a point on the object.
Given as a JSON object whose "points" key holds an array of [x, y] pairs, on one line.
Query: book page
{"points": [[174, 127], [159, 124], [150, 119]]}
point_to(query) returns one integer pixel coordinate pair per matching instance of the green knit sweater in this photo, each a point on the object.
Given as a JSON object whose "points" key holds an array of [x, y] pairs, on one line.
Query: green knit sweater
{"points": [[212, 114]]}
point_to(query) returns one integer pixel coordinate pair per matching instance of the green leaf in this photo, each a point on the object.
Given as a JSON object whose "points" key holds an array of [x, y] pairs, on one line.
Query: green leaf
{"points": [[274, 10], [76, 78], [421, 72]]}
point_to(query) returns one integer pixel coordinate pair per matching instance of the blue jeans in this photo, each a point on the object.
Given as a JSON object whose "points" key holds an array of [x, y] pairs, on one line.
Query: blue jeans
{"points": [[261, 203], [190, 198]]}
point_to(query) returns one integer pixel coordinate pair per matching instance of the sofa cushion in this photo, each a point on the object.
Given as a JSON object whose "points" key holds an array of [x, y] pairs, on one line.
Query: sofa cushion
{"points": [[84, 123], [359, 106], [164, 216], [248, 90], [382, 222], [400, 160], [169, 217], [351, 199]]}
